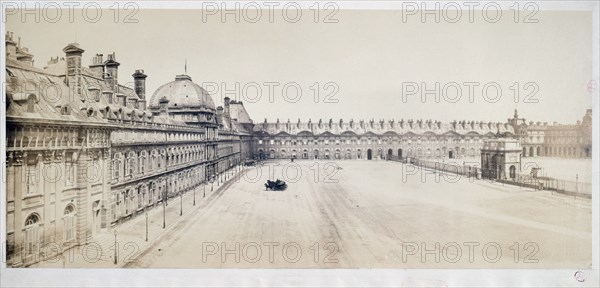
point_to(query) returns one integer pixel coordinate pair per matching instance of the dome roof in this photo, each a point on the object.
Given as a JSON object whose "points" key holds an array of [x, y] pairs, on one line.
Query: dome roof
{"points": [[183, 93]]}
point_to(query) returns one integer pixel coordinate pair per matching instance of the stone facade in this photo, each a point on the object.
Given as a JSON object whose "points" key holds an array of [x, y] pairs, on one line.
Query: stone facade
{"points": [[555, 140], [85, 153], [374, 140]]}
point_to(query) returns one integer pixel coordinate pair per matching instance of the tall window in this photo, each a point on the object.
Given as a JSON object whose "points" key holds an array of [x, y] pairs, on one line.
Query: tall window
{"points": [[31, 233], [151, 193], [160, 160], [152, 162], [129, 163], [116, 166], [139, 196], [69, 169], [69, 222], [115, 202], [142, 162], [31, 175]]}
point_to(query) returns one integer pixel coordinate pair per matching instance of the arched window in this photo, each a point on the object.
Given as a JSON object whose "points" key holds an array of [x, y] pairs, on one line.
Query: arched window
{"points": [[142, 162], [130, 164], [69, 222], [31, 100], [512, 172], [116, 167], [32, 219], [31, 233]]}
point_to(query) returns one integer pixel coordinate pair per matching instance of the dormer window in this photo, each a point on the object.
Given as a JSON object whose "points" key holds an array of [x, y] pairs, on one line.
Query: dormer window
{"points": [[31, 99], [65, 110]]}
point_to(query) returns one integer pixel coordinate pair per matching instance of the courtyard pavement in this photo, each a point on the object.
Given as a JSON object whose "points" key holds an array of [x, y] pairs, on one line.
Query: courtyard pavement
{"points": [[375, 214]]}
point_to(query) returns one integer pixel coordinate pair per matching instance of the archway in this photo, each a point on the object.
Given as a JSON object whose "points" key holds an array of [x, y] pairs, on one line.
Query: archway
{"points": [[531, 151], [399, 153], [450, 154], [524, 152], [512, 172], [389, 154], [316, 154], [369, 154], [539, 151]]}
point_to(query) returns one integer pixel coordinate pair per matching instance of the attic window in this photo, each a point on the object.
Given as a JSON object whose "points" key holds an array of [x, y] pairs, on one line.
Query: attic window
{"points": [[65, 110], [31, 99]]}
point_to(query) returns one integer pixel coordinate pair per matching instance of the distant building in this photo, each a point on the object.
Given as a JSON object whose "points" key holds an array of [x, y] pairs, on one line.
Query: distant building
{"points": [[556, 140], [373, 140]]}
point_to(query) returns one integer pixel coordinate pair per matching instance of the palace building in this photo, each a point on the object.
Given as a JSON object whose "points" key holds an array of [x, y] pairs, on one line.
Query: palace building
{"points": [[394, 139], [85, 152], [373, 140], [555, 140]]}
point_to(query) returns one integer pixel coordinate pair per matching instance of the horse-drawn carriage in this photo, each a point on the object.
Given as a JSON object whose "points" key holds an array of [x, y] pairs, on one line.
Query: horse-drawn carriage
{"points": [[277, 185]]}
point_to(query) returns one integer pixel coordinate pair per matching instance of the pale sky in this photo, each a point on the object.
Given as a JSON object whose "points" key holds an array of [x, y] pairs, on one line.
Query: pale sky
{"points": [[368, 54]]}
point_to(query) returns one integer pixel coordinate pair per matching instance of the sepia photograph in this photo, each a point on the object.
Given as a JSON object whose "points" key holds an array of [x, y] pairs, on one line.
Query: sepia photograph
{"points": [[306, 143]]}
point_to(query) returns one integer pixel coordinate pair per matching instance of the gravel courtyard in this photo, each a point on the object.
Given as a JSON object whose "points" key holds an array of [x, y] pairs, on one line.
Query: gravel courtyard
{"points": [[376, 214]]}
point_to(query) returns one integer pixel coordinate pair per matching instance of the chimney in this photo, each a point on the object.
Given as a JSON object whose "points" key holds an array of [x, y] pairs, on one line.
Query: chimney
{"points": [[163, 105], [73, 55], [226, 100], [24, 56], [139, 81], [112, 69], [11, 46], [51, 62], [97, 65]]}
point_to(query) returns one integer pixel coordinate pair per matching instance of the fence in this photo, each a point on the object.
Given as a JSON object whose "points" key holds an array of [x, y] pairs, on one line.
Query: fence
{"points": [[573, 188]]}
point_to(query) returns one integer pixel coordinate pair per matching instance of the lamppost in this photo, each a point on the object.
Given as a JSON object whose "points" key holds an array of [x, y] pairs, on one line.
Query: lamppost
{"points": [[181, 203], [204, 192], [195, 196], [116, 248]]}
